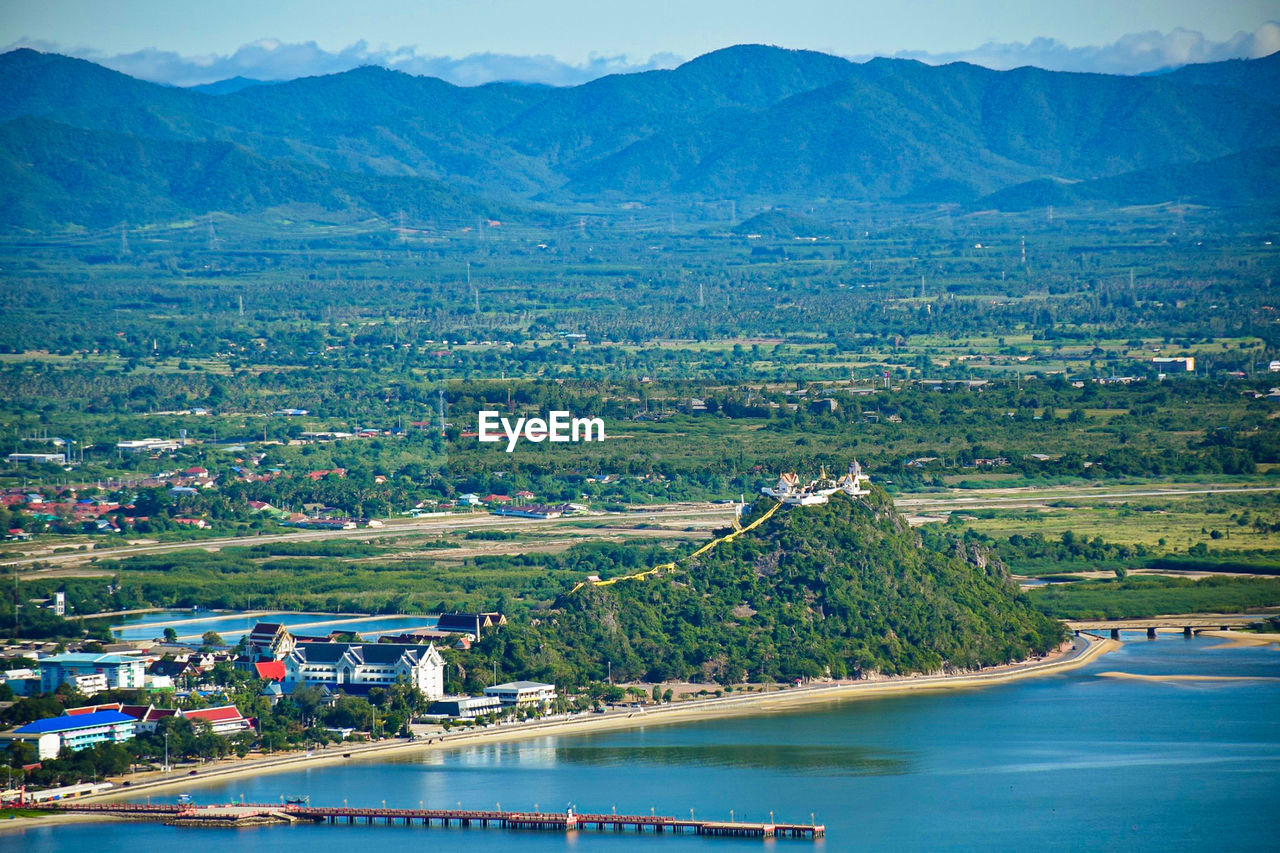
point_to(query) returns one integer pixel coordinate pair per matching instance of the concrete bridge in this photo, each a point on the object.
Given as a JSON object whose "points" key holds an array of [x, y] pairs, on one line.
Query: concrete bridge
{"points": [[1188, 625]]}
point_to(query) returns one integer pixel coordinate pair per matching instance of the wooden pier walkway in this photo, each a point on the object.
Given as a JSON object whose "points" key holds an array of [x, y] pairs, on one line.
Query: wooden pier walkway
{"points": [[240, 814]]}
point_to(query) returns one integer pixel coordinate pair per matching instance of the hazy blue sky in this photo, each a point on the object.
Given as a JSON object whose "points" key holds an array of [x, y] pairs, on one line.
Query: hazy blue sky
{"points": [[601, 35]]}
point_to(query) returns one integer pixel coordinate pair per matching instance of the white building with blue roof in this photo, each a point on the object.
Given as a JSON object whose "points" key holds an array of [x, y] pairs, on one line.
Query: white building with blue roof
{"points": [[81, 731]]}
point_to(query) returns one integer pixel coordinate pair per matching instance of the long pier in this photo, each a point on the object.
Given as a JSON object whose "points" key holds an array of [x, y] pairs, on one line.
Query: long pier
{"points": [[240, 814]]}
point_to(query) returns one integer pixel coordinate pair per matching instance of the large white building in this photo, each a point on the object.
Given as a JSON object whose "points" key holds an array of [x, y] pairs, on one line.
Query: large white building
{"points": [[523, 693], [90, 672], [50, 736], [355, 668]]}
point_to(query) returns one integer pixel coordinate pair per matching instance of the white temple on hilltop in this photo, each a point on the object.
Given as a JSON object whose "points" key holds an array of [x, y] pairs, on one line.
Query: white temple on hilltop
{"points": [[790, 491]]}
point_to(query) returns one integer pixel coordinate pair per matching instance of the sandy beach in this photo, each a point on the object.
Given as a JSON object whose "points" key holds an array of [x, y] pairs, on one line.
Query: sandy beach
{"points": [[1132, 676], [1087, 649], [1238, 638]]}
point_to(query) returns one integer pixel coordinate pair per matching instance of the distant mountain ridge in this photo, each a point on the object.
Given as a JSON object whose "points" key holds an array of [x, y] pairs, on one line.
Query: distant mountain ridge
{"points": [[749, 122], [52, 173], [228, 86]]}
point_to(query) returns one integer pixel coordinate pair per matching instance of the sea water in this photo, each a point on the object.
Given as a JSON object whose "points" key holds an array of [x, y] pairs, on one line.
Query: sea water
{"points": [[1082, 760]]}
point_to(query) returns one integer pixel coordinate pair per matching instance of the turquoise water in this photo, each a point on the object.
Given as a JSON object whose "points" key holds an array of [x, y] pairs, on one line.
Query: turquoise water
{"points": [[1077, 761], [233, 626]]}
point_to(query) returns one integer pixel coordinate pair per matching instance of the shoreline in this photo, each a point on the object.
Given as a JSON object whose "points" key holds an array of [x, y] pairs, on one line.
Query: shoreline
{"points": [[1084, 651]]}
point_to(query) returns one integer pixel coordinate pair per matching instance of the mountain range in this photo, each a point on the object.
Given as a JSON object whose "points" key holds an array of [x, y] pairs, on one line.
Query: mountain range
{"points": [[81, 144]]}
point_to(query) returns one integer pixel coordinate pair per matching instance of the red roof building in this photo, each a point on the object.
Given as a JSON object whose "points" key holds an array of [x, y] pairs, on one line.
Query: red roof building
{"points": [[93, 709], [225, 719], [271, 670]]}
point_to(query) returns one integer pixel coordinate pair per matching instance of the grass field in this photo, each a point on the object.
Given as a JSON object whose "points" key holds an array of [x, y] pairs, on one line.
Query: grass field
{"points": [[1174, 523]]}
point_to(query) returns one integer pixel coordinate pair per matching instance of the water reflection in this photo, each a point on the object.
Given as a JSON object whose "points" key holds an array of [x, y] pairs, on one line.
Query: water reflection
{"points": [[779, 758]]}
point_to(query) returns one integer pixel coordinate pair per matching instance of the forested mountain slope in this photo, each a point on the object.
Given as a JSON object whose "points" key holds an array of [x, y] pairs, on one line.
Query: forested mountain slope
{"points": [[842, 589], [762, 124]]}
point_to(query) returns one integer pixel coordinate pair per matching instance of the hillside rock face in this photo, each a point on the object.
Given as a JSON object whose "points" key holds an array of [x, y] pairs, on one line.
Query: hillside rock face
{"points": [[845, 589]]}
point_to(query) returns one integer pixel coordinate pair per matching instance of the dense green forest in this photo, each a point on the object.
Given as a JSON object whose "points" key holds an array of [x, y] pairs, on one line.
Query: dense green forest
{"points": [[838, 590]]}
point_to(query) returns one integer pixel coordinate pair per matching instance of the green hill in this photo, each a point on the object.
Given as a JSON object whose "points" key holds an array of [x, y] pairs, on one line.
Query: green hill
{"points": [[1245, 178], [781, 223], [51, 173], [841, 589]]}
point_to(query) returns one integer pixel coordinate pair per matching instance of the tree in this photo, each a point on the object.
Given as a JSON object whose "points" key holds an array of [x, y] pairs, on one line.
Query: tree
{"points": [[308, 700], [212, 639], [170, 635]]}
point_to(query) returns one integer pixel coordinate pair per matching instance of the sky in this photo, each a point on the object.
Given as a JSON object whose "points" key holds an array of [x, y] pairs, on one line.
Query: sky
{"points": [[569, 41]]}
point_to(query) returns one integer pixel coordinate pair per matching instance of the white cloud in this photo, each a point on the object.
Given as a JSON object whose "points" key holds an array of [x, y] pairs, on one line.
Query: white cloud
{"points": [[1136, 53], [269, 59]]}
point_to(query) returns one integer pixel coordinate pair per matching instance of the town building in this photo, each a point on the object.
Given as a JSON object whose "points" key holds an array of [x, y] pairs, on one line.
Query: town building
{"points": [[1186, 363], [149, 717], [37, 458], [114, 672], [269, 641], [466, 707], [522, 694], [420, 636], [355, 668], [146, 716], [23, 682], [531, 511], [224, 720], [147, 445], [471, 624], [74, 732]]}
